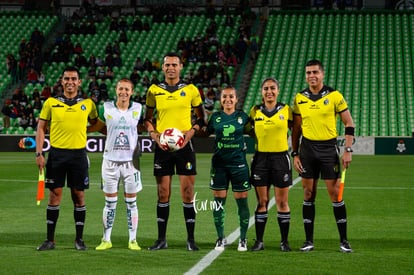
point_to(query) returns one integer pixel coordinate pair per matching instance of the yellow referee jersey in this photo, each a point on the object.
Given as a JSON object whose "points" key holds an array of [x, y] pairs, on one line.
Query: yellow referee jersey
{"points": [[68, 122], [319, 112], [173, 104], [271, 128]]}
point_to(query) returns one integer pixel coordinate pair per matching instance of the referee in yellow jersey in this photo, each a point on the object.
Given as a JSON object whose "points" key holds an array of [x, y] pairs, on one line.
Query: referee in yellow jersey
{"points": [[66, 118], [271, 164], [172, 101], [314, 118]]}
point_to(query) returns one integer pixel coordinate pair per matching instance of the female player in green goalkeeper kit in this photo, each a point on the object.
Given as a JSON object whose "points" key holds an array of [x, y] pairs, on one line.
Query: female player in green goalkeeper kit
{"points": [[229, 164]]}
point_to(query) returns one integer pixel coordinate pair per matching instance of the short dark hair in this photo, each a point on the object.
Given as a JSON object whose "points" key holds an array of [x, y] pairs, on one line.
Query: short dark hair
{"points": [[315, 62], [72, 69], [172, 54]]}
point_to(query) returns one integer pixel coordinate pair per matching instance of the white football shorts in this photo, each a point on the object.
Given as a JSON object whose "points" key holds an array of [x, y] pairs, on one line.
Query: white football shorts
{"points": [[114, 173]]}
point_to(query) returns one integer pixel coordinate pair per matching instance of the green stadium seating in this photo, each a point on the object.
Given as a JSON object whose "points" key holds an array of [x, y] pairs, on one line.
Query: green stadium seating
{"points": [[367, 55]]}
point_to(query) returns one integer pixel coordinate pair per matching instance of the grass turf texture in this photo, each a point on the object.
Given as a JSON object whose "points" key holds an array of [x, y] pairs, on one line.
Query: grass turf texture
{"points": [[378, 191]]}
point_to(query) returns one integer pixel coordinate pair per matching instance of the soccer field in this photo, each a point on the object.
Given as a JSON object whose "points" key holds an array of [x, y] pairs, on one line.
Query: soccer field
{"points": [[379, 193]]}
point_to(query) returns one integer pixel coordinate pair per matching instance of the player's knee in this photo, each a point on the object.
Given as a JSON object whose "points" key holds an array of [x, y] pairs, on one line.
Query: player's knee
{"points": [[262, 204], [163, 194], [188, 190], [163, 197], [283, 206], [309, 195]]}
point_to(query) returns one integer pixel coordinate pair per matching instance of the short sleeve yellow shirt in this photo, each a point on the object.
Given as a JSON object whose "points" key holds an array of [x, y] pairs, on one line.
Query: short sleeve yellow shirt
{"points": [[68, 122], [319, 112], [173, 104], [271, 128]]}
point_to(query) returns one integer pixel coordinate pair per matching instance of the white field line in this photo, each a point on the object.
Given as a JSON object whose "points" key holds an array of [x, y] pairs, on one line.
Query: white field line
{"points": [[213, 254]]}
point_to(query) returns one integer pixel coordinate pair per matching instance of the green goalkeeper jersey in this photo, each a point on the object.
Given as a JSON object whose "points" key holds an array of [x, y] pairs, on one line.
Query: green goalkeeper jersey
{"points": [[229, 146]]}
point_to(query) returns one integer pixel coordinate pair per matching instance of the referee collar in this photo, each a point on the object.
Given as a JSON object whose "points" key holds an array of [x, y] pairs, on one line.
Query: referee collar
{"points": [[70, 101], [323, 92], [180, 84]]}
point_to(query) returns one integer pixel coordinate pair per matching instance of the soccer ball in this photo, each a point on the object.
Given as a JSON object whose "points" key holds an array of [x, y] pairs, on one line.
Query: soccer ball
{"points": [[172, 139]]}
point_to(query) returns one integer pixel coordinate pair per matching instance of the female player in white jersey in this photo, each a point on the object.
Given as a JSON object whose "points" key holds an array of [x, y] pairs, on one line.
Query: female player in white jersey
{"points": [[121, 118]]}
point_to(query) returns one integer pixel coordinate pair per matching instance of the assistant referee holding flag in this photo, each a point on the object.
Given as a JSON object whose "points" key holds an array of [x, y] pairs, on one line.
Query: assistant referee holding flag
{"points": [[67, 116], [314, 117]]}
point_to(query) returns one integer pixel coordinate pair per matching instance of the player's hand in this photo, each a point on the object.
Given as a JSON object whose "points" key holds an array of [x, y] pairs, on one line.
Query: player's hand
{"points": [[297, 164], [156, 137], [40, 161], [188, 136], [346, 159], [203, 132]]}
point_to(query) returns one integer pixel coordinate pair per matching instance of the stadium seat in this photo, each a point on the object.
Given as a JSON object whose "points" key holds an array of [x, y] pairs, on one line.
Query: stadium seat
{"points": [[29, 131], [360, 46]]}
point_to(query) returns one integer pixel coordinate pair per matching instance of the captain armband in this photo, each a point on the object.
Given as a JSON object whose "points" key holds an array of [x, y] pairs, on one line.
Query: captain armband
{"points": [[349, 131]]}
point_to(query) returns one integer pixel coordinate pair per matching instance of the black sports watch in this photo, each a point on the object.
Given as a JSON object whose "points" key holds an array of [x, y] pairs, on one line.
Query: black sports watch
{"points": [[38, 154], [294, 154], [348, 149]]}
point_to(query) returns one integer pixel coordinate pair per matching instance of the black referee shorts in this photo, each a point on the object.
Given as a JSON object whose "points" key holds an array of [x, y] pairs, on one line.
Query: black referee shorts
{"points": [[271, 168], [320, 158], [67, 164], [182, 162]]}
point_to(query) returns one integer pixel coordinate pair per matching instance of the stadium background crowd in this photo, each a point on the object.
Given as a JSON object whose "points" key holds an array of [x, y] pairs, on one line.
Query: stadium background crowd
{"points": [[212, 64]]}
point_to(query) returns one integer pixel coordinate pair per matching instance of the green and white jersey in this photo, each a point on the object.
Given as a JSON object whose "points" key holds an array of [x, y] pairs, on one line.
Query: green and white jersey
{"points": [[229, 146], [122, 132]]}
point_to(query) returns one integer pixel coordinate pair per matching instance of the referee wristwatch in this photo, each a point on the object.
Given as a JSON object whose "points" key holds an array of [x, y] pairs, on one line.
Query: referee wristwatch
{"points": [[38, 154], [348, 149]]}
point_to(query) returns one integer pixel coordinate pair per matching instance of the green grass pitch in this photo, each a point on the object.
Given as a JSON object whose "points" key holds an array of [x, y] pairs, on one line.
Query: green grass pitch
{"points": [[379, 193]]}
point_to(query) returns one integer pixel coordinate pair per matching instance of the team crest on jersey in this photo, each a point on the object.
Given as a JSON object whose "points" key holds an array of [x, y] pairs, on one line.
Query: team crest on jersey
{"points": [[326, 102], [182, 93], [239, 120], [281, 117], [135, 114], [83, 107]]}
